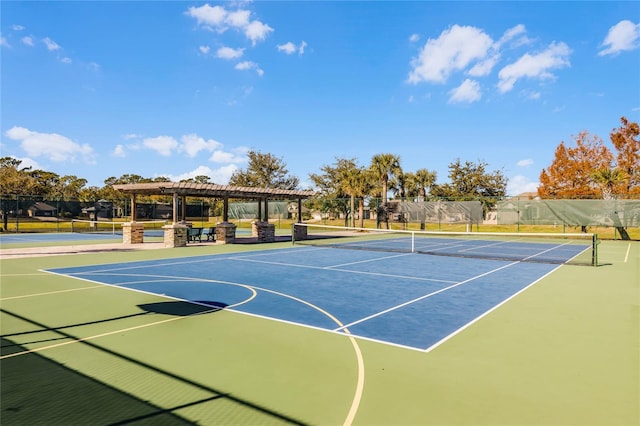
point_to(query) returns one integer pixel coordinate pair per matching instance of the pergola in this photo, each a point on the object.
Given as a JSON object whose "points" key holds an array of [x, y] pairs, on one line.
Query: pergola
{"points": [[210, 190]]}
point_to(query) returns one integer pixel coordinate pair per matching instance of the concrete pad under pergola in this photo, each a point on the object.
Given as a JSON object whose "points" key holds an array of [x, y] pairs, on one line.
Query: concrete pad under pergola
{"points": [[175, 235]]}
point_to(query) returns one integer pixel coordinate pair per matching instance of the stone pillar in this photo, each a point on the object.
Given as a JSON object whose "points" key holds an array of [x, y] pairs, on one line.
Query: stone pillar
{"points": [[225, 233], [264, 231], [175, 235], [132, 233]]}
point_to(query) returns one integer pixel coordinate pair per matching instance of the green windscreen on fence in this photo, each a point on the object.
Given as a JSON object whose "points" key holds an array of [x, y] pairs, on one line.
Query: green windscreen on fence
{"points": [[277, 210], [618, 213], [437, 211]]}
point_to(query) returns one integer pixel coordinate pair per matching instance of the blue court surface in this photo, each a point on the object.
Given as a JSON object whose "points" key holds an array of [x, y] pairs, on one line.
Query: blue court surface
{"points": [[55, 237], [406, 299]]}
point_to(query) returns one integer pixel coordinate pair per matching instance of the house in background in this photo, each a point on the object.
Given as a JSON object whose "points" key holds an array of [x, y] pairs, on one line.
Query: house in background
{"points": [[41, 209]]}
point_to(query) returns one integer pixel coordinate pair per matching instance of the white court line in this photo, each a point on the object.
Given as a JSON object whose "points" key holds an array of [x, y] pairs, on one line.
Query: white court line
{"points": [[417, 299], [349, 271], [626, 256], [51, 292]]}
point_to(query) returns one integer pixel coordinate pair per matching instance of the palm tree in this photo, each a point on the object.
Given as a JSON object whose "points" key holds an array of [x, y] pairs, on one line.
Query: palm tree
{"points": [[423, 179], [609, 180], [384, 167], [356, 182]]}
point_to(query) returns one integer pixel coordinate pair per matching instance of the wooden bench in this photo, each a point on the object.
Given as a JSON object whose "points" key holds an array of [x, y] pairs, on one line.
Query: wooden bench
{"points": [[194, 234], [210, 233]]}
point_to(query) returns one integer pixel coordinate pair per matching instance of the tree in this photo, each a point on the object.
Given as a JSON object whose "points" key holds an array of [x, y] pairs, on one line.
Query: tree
{"points": [[330, 187], [383, 168], [471, 181], [15, 180], [356, 182], [609, 180], [264, 171], [570, 174], [399, 183], [626, 141], [420, 181]]}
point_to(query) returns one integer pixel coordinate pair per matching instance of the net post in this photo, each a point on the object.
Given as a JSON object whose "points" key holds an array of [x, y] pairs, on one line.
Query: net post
{"points": [[594, 250], [293, 233], [413, 242]]}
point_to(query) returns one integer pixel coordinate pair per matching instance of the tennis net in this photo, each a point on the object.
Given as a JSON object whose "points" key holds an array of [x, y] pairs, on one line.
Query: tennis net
{"points": [[108, 227], [557, 248]]}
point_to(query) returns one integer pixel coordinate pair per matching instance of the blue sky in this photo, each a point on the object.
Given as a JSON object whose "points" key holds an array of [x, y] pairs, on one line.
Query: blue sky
{"points": [[179, 89]]}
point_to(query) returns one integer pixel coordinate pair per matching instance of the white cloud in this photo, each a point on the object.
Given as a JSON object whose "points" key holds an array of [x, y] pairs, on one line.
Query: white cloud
{"points": [[219, 19], [469, 91], [484, 67], [535, 66], [520, 184], [529, 94], [163, 145], [119, 151], [229, 53], [28, 40], [51, 45], [192, 144], [625, 35], [53, 146], [525, 163], [204, 49], [414, 37], [66, 60], [208, 15], [453, 50], [4, 42], [219, 176], [15, 27], [511, 34], [239, 18], [290, 48], [248, 65], [131, 136], [257, 31], [227, 157]]}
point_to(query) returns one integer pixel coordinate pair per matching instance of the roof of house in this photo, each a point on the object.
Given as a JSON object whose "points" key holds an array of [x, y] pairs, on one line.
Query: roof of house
{"points": [[42, 206]]}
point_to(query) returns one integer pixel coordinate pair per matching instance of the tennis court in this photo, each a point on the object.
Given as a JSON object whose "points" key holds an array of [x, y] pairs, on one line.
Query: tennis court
{"points": [[275, 333], [405, 299]]}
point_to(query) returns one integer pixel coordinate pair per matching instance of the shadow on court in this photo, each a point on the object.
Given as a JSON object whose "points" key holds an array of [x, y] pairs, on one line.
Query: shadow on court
{"points": [[181, 308], [38, 390]]}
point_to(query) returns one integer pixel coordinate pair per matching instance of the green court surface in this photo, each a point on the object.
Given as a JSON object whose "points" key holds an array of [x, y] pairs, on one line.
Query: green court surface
{"points": [[565, 351]]}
